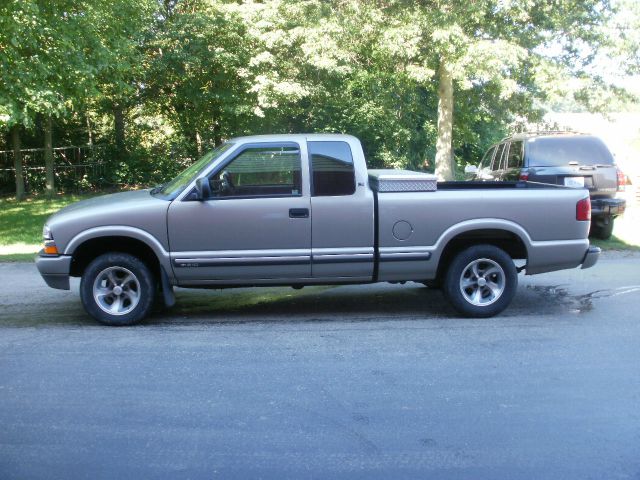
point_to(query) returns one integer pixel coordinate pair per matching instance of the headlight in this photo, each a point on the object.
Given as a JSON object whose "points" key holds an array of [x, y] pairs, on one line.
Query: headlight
{"points": [[46, 233]]}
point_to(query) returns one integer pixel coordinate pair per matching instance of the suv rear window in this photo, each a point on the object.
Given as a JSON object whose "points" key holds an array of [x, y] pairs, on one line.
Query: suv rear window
{"points": [[559, 151]]}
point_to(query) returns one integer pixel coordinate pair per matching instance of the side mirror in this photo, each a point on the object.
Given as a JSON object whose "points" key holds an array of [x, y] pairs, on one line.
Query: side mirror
{"points": [[471, 169], [203, 189]]}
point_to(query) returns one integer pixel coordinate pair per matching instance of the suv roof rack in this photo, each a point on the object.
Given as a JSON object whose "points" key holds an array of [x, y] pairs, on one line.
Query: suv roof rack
{"points": [[543, 132]]}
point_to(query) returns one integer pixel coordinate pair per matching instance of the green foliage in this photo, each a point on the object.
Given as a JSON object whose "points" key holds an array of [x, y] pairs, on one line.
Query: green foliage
{"points": [[187, 74]]}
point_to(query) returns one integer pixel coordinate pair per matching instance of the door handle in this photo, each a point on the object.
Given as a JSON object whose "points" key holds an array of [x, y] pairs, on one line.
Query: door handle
{"points": [[298, 213]]}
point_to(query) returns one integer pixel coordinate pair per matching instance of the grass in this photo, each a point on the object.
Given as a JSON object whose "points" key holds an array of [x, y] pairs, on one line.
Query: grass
{"points": [[614, 243], [21, 225]]}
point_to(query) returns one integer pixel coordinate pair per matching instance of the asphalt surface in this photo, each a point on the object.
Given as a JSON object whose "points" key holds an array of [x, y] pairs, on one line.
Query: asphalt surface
{"points": [[373, 381]]}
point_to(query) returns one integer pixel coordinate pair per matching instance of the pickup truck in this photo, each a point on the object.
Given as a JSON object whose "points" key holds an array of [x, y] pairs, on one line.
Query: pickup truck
{"points": [[296, 210]]}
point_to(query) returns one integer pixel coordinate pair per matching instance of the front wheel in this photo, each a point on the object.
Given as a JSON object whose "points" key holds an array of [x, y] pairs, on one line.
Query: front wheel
{"points": [[117, 289], [481, 281]]}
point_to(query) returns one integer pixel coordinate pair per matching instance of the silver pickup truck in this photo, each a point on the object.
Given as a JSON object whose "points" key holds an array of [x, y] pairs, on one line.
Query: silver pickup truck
{"points": [[304, 210]]}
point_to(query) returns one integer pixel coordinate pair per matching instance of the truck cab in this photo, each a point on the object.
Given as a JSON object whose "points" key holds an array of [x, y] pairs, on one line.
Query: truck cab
{"points": [[275, 209]]}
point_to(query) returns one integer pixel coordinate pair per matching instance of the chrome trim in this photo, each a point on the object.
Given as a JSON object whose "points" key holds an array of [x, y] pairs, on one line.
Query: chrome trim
{"points": [[341, 258], [239, 254], [240, 262], [343, 251], [407, 249], [405, 257]]}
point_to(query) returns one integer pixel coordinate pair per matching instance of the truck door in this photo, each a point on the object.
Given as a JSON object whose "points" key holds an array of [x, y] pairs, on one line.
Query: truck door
{"points": [[255, 226], [342, 207]]}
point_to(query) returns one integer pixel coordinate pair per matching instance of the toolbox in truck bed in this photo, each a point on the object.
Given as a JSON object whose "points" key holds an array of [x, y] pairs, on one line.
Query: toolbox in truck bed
{"points": [[402, 181]]}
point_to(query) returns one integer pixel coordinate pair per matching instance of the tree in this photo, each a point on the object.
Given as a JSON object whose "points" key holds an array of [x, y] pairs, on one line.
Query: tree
{"points": [[52, 55], [197, 72]]}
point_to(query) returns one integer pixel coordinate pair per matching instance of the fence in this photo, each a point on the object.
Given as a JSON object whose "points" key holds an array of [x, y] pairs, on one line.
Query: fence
{"points": [[76, 169]]}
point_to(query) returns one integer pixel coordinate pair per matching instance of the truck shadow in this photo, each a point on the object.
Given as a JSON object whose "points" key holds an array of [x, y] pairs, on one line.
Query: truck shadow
{"points": [[361, 303], [320, 303]]}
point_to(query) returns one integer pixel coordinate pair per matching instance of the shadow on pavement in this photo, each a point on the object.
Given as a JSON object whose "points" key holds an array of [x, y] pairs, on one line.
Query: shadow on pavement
{"points": [[379, 302]]}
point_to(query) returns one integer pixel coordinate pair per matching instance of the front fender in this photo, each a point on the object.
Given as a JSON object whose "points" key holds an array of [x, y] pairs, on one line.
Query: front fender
{"points": [[121, 231]]}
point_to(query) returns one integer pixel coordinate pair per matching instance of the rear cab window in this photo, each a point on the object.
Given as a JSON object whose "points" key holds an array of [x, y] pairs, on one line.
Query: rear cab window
{"points": [[332, 171]]}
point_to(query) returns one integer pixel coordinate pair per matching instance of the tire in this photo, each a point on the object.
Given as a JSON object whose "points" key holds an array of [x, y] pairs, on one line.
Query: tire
{"points": [[601, 230], [481, 281], [118, 289]]}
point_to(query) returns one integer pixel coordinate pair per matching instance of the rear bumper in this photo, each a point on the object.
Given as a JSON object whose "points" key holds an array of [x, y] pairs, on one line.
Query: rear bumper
{"points": [[608, 206], [54, 269], [591, 257]]}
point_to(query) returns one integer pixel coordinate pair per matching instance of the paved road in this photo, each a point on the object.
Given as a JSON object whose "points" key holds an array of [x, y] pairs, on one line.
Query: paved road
{"points": [[378, 381]]}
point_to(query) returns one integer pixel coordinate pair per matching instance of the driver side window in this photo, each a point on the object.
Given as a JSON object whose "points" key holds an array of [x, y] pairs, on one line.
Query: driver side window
{"points": [[260, 172]]}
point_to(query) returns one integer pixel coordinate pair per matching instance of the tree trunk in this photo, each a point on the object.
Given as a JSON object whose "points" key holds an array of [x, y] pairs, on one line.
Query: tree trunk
{"points": [[118, 117], [48, 159], [217, 138], [89, 131], [444, 153], [198, 144], [17, 161]]}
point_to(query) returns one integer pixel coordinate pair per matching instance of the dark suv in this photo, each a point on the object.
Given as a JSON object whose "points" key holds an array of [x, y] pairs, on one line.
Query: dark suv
{"points": [[562, 158]]}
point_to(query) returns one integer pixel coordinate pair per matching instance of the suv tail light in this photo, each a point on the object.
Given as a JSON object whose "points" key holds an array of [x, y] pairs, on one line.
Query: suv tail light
{"points": [[583, 210], [524, 176], [622, 181]]}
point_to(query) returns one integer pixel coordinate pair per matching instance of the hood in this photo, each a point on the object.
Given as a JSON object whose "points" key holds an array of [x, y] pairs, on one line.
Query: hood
{"points": [[138, 209], [105, 203]]}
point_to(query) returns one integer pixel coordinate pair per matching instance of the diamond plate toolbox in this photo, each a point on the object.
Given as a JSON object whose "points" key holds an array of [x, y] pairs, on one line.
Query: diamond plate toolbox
{"points": [[402, 181]]}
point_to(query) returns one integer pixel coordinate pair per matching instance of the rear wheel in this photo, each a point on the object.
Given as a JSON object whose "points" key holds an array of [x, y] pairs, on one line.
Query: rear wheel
{"points": [[481, 281], [602, 230], [117, 289]]}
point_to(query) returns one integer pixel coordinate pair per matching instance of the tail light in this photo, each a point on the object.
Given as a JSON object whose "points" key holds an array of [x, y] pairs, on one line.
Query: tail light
{"points": [[622, 181], [583, 210], [524, 176]]}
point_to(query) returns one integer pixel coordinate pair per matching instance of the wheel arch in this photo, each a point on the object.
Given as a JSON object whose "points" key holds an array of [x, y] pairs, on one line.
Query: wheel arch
{"points": [[508, 236], [88, 245]]}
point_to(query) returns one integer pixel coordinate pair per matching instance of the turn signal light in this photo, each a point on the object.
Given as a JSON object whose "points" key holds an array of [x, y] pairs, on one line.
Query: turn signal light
{"points": [[583, 210], [50, 248]]}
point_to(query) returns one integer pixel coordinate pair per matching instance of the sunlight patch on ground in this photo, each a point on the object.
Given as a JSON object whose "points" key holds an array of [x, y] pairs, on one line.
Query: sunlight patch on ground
{"points": [[19, 248], [627, 227]]}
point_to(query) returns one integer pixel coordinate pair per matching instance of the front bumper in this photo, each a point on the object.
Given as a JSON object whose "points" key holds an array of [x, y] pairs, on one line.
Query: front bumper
{"points": [[608, 206], [591, 257], [54, 269]]}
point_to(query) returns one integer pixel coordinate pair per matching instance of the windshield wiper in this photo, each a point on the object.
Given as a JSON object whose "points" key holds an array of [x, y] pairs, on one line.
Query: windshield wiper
{"points": [[157, 188]]}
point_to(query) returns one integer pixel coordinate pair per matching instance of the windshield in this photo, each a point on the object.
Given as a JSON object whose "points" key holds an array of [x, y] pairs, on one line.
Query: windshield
{"points": [[175, 186], [559, 151]]}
